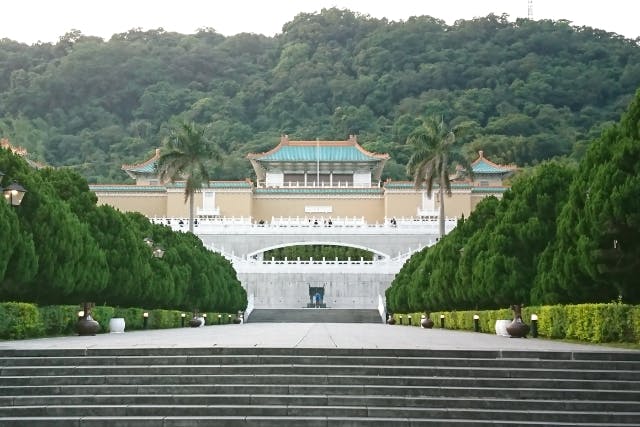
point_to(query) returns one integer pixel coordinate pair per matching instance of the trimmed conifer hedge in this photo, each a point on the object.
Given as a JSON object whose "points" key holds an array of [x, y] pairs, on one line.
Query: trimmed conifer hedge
{"points": [[593, 323], [24, 320]]}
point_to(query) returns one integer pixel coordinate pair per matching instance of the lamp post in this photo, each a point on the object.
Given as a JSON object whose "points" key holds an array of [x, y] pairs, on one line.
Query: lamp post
{"points": [[534, 326], [145, 319], [14, 193], [182, 316], [158, 252], [442, 321], [476, 323]]}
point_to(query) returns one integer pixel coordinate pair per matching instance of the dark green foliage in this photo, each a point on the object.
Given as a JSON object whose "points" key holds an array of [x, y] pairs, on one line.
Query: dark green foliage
{"points": [[595, 323], [490, 260], [596, 257], [59, 320], [24, 320], [20, 320], [557, 236], [65, 249], [537, 89], [318, 252]]}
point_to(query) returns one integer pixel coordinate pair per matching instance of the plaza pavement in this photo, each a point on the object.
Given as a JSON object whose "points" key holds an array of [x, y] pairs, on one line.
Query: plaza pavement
{"points": [[304, 335]]}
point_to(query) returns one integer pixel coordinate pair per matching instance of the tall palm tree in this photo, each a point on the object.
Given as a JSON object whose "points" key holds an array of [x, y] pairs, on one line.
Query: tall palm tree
{"points": [[433, 152], [187, 155]]}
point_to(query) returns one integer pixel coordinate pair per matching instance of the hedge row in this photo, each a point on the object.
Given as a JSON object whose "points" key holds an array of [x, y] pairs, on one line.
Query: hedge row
{"points": [[23, 320], [594, 323]]}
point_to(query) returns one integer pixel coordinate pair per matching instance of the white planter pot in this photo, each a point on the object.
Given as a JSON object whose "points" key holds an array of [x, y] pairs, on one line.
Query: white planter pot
{"points": [[501, 327], [116, 325]]}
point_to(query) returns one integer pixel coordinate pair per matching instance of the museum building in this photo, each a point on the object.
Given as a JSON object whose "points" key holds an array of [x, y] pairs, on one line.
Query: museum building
{"points": [[307, 181]]}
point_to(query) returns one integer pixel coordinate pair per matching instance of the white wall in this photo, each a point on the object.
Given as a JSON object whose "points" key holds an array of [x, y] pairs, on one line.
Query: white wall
{"points": [[274, 179]]}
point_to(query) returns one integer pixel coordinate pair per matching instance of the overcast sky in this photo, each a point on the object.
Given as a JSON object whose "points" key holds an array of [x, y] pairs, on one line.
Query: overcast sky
{"points": [[30, 21]]}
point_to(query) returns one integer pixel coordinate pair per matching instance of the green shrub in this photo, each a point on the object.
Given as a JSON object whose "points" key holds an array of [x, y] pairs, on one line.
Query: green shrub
{"points": [[596, 323], [102, 314], [164, 319], [634, 315], [20, 320], [59, 319], [133, 317], [552, 321]]}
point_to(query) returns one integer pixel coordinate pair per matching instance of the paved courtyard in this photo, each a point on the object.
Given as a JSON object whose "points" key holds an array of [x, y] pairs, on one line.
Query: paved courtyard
{"points": [[306, 335]]}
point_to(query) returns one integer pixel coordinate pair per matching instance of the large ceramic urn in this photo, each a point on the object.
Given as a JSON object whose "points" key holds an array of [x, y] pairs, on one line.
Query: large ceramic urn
{"points": [[517, 328], [426, 322], [86, 325]]}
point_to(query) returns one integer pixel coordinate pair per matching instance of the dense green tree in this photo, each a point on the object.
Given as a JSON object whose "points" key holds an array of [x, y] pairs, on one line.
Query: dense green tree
{"points": [[595, 256], [329, 252], [489, 260], [64, 249]]}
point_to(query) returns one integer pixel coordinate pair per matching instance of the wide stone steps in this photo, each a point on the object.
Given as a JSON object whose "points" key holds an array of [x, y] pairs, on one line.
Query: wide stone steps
{"points": [[318, 411], [314, 315], [317, 387]]}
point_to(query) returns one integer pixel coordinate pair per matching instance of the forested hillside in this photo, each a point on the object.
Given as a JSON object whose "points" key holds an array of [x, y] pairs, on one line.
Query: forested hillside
{"points": [[536, 89]]}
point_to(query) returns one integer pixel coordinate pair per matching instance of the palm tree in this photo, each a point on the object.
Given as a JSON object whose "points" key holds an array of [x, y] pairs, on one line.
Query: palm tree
{"points": [[186, 155], [433, 153]]}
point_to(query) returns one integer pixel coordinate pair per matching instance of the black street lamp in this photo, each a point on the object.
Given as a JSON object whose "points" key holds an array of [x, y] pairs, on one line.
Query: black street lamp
{"points": [[476, 323], [14, 193], [156, 251]]}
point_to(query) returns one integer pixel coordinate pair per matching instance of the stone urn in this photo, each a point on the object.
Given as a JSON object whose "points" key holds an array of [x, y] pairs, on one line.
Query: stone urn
{"points": [[426, 322], [391, 320], [196, 322], [517, 328], [86, 325], [116, 325]]}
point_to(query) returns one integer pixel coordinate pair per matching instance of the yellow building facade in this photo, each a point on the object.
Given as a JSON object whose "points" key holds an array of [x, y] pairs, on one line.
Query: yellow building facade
{"points": [[313, 180]]}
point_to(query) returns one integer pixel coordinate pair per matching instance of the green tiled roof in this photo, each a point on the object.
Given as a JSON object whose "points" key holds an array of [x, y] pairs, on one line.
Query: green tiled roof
{"points": [[482, 166], [215, 184], [128, 188], [407, 185], [148, 168], [489, 189], [294, 190], [322, 153]]}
